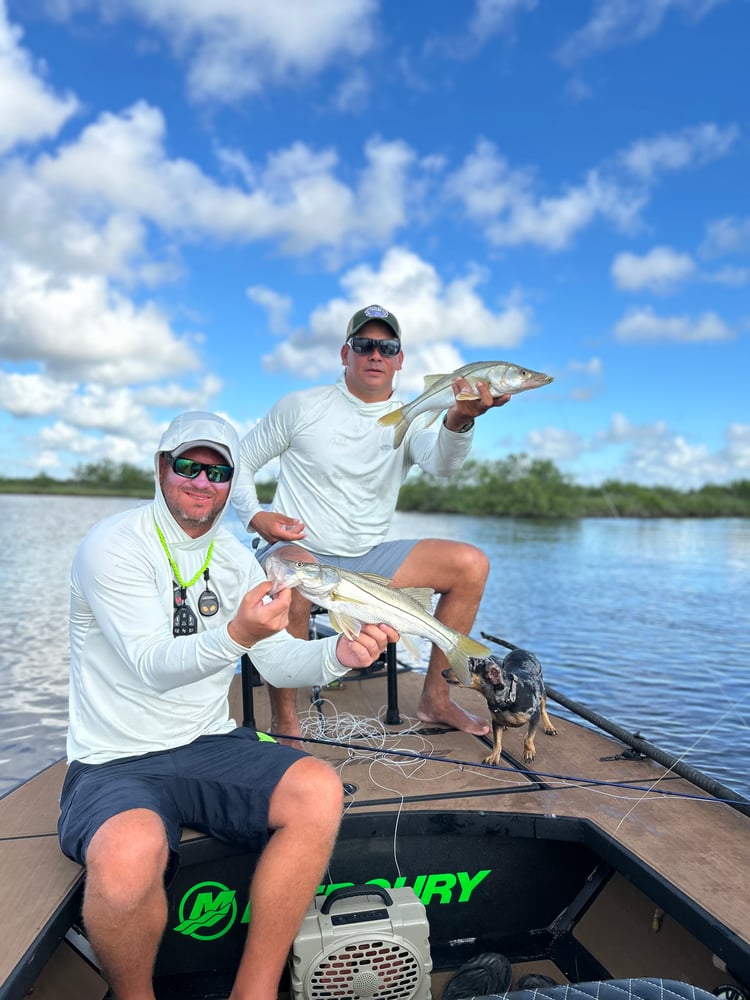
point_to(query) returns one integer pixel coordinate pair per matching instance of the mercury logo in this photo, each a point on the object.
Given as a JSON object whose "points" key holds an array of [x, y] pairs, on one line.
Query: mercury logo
{"points": [[208, 910]]}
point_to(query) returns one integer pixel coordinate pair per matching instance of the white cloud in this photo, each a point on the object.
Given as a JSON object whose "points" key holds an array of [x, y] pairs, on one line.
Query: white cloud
{"points": [[436, 317], [489, 19], [732, 277], [277, 307], [33, 395], [689, 147], [593, 367], [353, 93], [656, 455], [29, 109], [555, 444], [99, 192], [729, 235], [660, 270], [587, 379], [643, 324], [238, 48], [736, 455], [624, 22], [504, 201], [62, 437], [78, 328], [492, 17], [651, 454], [508, 203], [176, 396]]}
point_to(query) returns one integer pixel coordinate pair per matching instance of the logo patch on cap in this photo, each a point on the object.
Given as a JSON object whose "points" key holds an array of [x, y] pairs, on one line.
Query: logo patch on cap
{"points": [[376, 311]]}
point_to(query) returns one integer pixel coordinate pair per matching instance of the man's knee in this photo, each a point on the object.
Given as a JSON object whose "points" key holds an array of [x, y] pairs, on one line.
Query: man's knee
{"points": [[469, 565], [299, 604], [129, 845], [127, 855], [476, 563], [309, 792]]}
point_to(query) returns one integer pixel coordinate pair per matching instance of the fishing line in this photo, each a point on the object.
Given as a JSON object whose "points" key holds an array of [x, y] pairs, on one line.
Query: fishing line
{"points": [[573, 781], [681, 757], [342, 726]]}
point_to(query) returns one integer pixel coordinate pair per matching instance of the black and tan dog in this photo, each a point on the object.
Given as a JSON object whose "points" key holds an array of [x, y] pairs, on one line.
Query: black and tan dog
{"points": [[515, 695]]}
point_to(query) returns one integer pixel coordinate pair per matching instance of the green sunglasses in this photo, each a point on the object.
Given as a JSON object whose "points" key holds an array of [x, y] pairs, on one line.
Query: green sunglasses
{"points": [[189, 469]]}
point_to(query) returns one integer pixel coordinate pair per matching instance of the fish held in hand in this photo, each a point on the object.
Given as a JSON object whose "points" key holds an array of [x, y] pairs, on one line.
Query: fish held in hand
{"points": [[500, 377], [352, 599]]}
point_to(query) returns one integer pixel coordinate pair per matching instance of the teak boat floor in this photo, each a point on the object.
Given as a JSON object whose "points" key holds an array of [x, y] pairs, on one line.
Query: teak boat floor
{"points": [[706, 855]]}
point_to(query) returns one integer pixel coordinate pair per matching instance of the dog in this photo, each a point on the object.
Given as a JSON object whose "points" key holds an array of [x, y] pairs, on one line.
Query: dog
{"points": [[515, 695]]}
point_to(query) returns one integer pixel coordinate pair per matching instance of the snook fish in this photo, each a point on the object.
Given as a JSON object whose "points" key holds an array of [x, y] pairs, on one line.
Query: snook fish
{"points": [[500, 377], [355, 598]]}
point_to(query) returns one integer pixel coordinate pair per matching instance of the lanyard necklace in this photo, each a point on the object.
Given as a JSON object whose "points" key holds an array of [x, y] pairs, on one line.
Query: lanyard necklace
{"points": [[185, 622]]}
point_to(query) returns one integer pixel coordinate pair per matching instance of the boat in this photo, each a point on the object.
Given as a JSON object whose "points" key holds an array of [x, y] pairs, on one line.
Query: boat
{"points": [[604, 865]]}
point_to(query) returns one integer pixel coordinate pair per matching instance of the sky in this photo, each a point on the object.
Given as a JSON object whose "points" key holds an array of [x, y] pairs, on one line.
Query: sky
{"points": [[196, 195]]}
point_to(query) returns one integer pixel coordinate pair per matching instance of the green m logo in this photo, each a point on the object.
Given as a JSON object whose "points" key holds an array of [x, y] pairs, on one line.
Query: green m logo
{"points": [[207, 911]]}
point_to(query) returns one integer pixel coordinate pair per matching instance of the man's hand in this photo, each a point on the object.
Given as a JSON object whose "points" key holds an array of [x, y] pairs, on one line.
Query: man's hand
{"points": [[465, 411], [366, 648], [257, 618], [273, 527]]}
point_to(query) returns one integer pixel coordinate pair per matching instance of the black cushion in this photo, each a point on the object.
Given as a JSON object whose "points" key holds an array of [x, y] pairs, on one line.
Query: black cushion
{"points": [[607, 989]]}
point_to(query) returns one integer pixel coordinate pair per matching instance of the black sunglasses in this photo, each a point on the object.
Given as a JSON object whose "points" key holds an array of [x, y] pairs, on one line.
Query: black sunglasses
{"points": [[189, 469], [366, 345]]}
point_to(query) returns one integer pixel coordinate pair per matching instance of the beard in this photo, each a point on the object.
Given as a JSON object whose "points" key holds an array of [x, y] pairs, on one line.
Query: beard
{"points": [[191, 521], [196, 521]]}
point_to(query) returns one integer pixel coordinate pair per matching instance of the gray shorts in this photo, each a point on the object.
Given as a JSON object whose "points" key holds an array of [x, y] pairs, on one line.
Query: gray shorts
{"points": [[383, 559], [220, 785]]}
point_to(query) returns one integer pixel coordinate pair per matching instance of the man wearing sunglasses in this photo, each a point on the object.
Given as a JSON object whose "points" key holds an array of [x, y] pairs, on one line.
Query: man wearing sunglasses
{"points": [[338, 484], [164, 601]]}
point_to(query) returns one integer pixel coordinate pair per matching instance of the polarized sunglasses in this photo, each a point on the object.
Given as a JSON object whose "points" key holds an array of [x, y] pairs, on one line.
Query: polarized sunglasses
{"points": [[366, 345], [189, 469]]}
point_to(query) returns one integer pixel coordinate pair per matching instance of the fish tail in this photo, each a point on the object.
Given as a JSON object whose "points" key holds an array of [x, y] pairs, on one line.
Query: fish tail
{"points": [[389, 419], [459, 654], [396, 419], [400, 433]]}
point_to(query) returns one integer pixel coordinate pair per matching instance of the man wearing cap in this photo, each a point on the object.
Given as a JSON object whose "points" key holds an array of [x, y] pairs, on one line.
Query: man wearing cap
{"points": [[338, 484], [163, 603]]}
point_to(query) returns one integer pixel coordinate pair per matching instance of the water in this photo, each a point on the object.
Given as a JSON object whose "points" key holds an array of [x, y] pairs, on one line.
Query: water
{"points": [[645, 622]]}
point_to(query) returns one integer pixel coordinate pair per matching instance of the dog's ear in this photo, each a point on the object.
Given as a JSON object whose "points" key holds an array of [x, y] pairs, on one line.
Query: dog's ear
{"points": [[495, 674]]}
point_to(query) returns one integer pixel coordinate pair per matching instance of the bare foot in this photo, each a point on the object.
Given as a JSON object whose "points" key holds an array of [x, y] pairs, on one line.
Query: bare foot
{"points": [[291, 730], [448, 713]]}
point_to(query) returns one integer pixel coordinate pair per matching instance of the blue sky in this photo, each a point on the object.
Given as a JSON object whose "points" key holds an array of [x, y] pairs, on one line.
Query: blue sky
{"points": [[195, 196]]}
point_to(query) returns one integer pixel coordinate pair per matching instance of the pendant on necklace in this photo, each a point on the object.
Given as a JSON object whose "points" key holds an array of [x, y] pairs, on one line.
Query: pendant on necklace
{"points": [[208, 603], [184, 621]]}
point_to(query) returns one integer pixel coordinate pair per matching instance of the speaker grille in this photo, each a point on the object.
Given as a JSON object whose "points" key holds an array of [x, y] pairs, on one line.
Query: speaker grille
{"points": [[366, 970]]}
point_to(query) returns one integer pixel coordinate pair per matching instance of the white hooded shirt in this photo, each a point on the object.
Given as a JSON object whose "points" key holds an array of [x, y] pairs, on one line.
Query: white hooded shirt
{"points": [[136, 688], [338, 470]]}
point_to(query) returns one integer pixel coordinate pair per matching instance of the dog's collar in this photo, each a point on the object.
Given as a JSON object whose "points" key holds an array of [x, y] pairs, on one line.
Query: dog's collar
{"points": [[511, 697]]}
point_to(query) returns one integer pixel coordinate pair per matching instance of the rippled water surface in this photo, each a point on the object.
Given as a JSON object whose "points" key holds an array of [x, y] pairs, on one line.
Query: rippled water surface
{"points": [[645, 622]]}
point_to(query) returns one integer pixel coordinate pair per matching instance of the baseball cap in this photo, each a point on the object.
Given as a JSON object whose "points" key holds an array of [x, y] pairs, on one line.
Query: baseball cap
{"points": [[187, 445], [370, 314]]}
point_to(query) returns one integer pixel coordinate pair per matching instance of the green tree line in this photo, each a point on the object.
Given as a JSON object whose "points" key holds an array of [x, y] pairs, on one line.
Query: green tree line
{"points": [[516, 486]]}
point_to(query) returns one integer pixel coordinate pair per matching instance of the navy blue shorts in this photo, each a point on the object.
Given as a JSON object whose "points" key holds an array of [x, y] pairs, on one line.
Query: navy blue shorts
{"points": [[383, 559], [220, 785]]}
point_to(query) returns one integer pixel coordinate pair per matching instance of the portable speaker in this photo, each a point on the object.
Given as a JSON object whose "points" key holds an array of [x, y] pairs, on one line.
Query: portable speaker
{"points": [[351, 947]]}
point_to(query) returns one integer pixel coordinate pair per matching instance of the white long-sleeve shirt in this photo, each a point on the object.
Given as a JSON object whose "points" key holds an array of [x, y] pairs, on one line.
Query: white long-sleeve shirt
{"points": [[339, 472], [134, 687]]}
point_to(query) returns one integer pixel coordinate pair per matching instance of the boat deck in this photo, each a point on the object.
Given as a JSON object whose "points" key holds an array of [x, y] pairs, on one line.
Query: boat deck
{"points": [[705, 857]]}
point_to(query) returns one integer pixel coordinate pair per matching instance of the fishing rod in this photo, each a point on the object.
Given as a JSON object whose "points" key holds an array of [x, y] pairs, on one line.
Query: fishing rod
{"points": [[573, 780]]}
